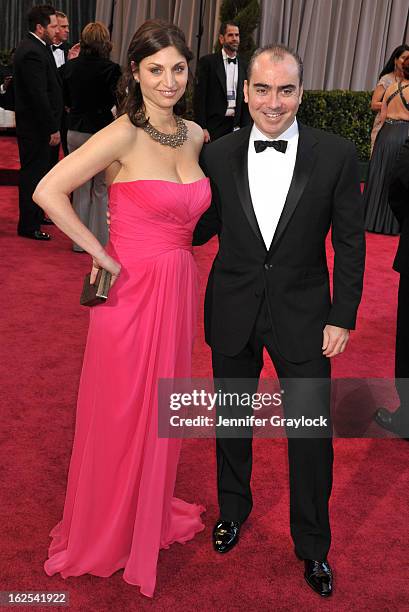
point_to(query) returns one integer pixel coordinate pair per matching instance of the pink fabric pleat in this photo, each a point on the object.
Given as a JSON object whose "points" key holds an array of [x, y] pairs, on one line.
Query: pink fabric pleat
{"points": [[119, 509]]}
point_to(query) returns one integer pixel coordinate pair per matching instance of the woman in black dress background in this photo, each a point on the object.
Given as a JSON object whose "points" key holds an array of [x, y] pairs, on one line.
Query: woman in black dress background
{"points": [[379, 217]]}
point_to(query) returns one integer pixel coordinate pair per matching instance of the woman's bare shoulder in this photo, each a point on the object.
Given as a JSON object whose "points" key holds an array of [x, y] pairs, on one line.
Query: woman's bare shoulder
{"points": [[122, 130], [195, 132]]}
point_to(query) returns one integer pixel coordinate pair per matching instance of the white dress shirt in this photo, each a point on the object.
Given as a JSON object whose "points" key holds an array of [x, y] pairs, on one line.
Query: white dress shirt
{"points": [[270, 174], [59, 56], [232, 76], [38, 38]]}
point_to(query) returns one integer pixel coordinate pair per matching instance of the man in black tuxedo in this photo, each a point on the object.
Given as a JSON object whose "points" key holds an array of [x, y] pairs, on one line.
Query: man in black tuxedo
{"points": [[398, 421], [38, 105], [62, 52], [278, 187], [218, 101]]}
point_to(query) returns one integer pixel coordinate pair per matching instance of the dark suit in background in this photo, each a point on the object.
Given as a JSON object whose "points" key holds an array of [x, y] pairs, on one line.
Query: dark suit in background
{"points": [[65, 47], [38, 107], [280, 298], [210, 96], [89, 86], [399, 202], [7, 91]]}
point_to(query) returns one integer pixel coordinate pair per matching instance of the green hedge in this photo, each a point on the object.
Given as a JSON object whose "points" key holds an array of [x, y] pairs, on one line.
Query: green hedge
{"points": [[346, 113]]}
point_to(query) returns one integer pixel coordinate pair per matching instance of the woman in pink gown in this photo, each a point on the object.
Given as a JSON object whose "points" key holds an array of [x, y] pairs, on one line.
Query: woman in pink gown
{"points": [[119, 508]]}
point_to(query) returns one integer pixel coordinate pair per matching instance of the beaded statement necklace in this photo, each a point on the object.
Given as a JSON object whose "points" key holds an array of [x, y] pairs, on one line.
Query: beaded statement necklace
{"points": [[171, 140]]}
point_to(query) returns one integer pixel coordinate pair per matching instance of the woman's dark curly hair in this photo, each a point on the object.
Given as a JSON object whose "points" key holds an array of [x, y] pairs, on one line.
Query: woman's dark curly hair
{"points": [[151, 37]]}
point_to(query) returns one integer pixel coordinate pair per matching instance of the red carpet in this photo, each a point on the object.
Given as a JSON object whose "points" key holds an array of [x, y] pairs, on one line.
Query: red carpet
{"points": [[43, 334], [9, 159]]}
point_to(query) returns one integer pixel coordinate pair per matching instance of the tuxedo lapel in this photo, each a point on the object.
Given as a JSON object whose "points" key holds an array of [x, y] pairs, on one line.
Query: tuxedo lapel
{"points": [[304, 164], [241, 79], [239, 165], [221, 73]]}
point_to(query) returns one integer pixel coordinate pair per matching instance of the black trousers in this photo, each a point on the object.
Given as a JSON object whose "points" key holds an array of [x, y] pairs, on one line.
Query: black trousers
{"points": [[55, 151], [310, 458], [402, 353], [35, 162]]}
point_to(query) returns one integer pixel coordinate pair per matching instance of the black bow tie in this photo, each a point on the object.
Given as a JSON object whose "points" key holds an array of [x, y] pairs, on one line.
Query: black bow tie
{"points": [[232, 60], [54, 47], [278, 145]]}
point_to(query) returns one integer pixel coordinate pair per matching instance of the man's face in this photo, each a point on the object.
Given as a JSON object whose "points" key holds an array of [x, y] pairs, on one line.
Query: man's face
{"points": [[273, 93], [63, 30], [231, 39], [48, 34]]}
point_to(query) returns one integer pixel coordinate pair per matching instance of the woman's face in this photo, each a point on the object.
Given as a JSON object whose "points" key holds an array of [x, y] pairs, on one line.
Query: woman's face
{"points": [[399, 60], [162, 77]]}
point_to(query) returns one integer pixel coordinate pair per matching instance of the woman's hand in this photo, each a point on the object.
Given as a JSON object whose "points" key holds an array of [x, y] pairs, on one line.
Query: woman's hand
{"points": [[106, 262]]}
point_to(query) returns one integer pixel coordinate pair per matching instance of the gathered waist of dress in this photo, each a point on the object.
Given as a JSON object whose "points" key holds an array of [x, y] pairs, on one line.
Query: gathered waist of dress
{"points": [[147, 244]]}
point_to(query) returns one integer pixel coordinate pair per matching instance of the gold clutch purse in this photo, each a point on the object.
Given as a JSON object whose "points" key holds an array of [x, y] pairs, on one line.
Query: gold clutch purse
{"points": [[97, 293]]}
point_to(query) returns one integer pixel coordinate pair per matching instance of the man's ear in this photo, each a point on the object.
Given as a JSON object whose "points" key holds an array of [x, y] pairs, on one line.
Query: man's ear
{"points": [[246, 91], [221, 40], [301, 93]]}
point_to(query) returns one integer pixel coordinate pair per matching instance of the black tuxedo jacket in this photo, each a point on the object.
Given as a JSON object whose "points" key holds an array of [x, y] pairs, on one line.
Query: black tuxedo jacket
{"points": [[399, 202], [66, 46], [293, 273], [37, 89], [210, 94], [89, 85]]}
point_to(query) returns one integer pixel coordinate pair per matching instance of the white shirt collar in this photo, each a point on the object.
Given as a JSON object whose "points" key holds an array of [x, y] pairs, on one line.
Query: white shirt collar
{"points": [[40, 39], [225, 56], [289, 134]]}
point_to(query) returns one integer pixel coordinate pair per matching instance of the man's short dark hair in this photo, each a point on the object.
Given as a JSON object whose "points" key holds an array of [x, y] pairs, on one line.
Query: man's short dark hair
{"points": [[40, 14], [278, 53], [223, 27]]}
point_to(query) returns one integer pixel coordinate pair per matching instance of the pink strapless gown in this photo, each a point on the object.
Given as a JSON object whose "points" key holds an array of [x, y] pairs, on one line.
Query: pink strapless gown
{"points": [[119, 507]]}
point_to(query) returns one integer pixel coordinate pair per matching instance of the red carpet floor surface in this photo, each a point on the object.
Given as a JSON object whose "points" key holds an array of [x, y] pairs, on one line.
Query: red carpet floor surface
{"points": [[43, 331]]}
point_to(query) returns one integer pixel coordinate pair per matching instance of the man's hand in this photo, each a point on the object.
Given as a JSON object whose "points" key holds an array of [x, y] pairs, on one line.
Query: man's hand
{"points": [[335, 340], [55, 139], [7, 81], [108, 218], [73, 52], [206, 136]]}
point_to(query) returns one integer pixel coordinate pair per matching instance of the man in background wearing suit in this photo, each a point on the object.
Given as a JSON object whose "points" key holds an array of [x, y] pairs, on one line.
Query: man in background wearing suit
{"points": [[62, 52], [60, 45], [218, 98], [398, 421], [278, 187], [39, 104]]}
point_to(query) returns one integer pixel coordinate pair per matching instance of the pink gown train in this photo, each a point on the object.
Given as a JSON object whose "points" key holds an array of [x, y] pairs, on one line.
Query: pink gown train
{"points": [[119, 508]]}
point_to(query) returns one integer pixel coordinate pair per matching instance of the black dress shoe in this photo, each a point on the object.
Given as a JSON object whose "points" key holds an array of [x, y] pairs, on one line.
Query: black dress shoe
{"points": [[388, 421], [225, 535], [35, 235], [47, 221], [318, 576]]}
